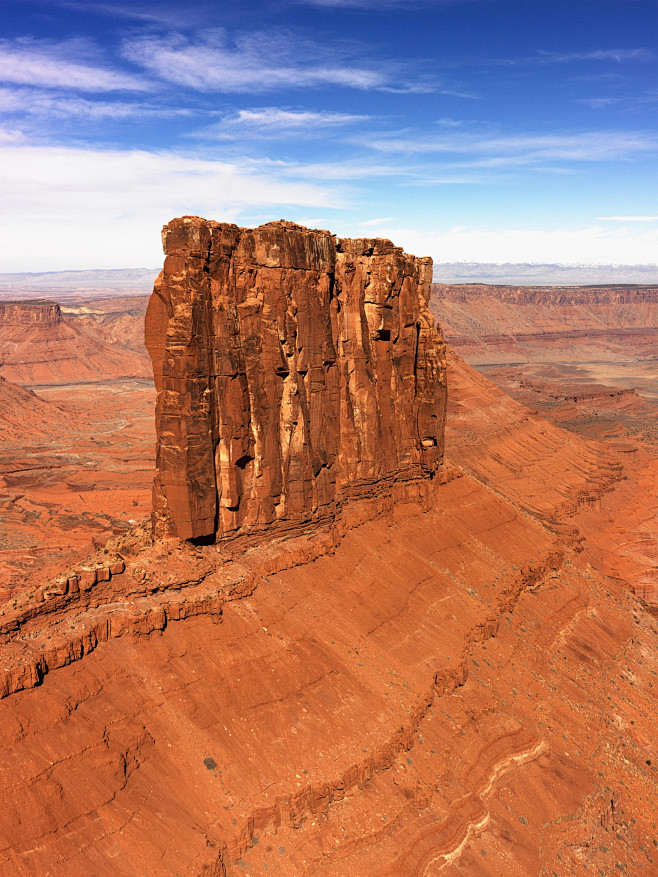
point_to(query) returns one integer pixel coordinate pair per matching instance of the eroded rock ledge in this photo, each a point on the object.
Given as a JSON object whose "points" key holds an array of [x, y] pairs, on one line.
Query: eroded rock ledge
{"points": [[294, 369]]}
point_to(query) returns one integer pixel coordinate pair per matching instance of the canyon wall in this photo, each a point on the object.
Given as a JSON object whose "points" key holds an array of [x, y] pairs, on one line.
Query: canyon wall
{"points": [[25, 313], [497, 324], [40, 344], [294, 369]]}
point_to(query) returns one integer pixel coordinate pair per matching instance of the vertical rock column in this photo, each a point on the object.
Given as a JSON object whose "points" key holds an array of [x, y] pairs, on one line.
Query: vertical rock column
{"points": [[292, 369]]}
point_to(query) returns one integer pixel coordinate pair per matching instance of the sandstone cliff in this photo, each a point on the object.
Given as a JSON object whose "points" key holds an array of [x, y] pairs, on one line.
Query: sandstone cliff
{"points": [[23, 313], [294, 369], [497, 324], [41, 345]]}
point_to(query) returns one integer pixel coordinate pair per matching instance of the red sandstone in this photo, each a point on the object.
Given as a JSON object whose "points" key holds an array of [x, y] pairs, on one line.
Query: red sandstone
{"points": [[292, 368], [446, 676], [41, 345]]}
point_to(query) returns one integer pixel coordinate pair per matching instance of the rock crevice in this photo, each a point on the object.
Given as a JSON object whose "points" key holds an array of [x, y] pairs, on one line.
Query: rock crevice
{"points": [[293, 369]]}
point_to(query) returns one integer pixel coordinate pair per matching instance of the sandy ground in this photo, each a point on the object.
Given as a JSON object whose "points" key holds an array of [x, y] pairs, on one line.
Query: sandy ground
{"points": [[63, 495]]}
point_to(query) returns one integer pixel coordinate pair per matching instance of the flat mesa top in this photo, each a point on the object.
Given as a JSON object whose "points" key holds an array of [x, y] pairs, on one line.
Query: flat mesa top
{"points": [[26, 302]]}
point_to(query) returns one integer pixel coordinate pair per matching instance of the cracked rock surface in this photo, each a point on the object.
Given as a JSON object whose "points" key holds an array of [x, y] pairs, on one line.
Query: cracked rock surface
{"points": [[293, 368]]}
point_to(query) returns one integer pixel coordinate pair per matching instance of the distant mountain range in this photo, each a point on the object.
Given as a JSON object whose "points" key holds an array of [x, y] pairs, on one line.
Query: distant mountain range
{"points": [[134, 279], [140, 280], [533, 274]]}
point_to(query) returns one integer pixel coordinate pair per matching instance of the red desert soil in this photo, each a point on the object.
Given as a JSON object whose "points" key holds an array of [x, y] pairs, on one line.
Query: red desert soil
{"points": [[41, 345], [453, 677], [76, 467]]}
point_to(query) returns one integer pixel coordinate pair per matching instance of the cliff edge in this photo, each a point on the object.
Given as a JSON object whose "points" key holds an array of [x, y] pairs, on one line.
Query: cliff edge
{"points": [[294, 369]]}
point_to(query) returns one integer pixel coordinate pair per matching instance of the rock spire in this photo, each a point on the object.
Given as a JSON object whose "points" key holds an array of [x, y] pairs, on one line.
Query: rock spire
{"points": [[294, 370]]}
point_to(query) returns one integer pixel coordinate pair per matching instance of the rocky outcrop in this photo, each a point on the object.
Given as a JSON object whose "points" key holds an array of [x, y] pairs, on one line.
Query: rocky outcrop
{"points": [[498, 324], [294, 369], [26, 313], [41, 345]]}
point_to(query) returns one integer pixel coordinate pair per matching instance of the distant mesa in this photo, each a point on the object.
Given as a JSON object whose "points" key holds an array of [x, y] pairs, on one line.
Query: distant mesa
{"points": [[508, 323], [30, 311], [40, 344], [294, 369], [546, 274]]}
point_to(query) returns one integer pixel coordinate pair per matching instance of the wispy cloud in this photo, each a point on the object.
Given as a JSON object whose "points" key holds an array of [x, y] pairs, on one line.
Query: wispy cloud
{"points": [[276, 122], [59, 105], [11, 136], [150, 12], [600, 103], [617, 55], [54, 65], [543, 58], [259, 62], [377, 5], [521, 149], [627, 218], [628, 101], [370, 223]]}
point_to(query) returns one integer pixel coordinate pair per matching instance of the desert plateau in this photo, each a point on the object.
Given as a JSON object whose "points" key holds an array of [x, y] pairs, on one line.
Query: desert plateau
{"points": [[328, 438], [389, 607]]}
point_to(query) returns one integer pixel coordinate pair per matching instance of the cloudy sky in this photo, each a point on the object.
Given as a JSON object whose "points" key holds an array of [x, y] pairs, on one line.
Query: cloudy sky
{"points": [[468, 130]]}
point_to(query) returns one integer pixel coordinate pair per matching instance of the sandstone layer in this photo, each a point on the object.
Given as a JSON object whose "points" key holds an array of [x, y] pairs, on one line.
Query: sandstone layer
{"points": [[41, 345], [499, 324], [293, 368], [439, 682]]}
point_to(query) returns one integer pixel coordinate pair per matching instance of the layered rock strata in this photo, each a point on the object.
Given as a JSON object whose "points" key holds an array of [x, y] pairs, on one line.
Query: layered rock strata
{"points": [[294, 369], [499, 324], [25, 313]]}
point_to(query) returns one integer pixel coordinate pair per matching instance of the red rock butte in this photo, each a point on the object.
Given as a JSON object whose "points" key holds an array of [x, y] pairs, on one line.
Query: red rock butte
{"points": [[294, 370]]}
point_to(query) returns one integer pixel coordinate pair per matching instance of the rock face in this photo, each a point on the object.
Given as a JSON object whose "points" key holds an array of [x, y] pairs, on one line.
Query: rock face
{"points": [[24, 313], [499, 324], [39, 344], [293, 369]]}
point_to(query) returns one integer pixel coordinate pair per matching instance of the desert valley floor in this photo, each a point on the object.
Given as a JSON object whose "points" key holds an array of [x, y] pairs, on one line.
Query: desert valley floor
{"points": [[453, 678]]}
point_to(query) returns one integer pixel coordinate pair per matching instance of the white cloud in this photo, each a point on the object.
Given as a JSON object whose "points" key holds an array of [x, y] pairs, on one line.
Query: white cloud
{"points": [[267, 122], [627, 218], [259, 62], [368, 223], [592, 245], [34, 62], [59, 105], [91, 208], [521, 149], [618, 55]]}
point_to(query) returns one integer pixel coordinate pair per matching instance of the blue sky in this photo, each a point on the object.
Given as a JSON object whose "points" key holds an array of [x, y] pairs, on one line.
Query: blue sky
{"points": [[468, 130]]}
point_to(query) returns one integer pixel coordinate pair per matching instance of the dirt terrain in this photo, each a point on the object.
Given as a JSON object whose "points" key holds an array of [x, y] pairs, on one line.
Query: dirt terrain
{"points": [[456, 676], [76, 469]]}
